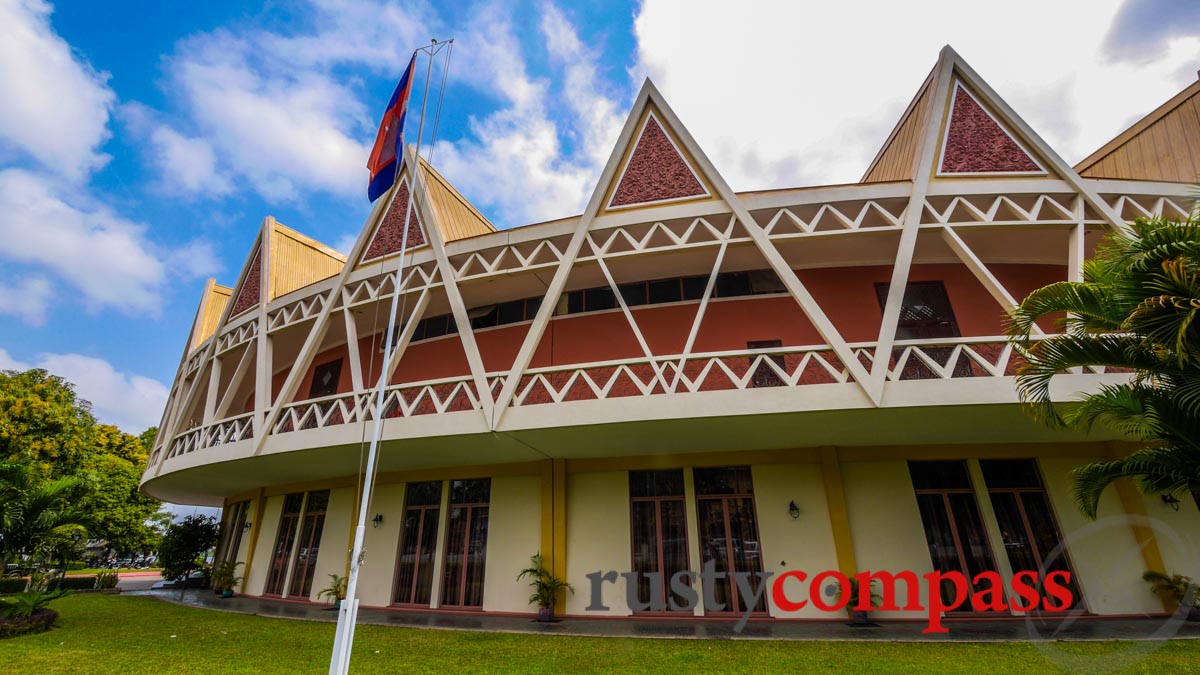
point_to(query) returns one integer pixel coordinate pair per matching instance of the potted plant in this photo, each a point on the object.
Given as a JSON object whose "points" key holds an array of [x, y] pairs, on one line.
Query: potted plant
{"points": [[336, 592], [545, 587], [861, 617], [225, 578], [1175, 588]]}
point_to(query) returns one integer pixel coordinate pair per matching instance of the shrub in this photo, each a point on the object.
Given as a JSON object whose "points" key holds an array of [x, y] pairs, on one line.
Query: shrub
{"points": [[25, 605], [77, 565], [75, 583], [11, 585], [37, 622], [106, 579]]}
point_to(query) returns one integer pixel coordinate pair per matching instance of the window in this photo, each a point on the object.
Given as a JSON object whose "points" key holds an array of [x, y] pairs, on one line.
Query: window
{"points": [[953, 528], [418, 539], [325, 379], [281, 553], [310, 543], [925, 311], [1027, 524], [659, 531], [466, 543], [235, 524], [729, 531], [764, 375]]}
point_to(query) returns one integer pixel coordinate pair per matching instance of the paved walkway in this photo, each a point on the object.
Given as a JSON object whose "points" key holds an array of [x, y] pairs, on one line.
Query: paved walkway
{"points": [[900, 631]]}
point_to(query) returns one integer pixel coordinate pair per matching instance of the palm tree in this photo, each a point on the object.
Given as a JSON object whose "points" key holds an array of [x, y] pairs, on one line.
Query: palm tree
{"points": [[36, 515], [1136, 310]]}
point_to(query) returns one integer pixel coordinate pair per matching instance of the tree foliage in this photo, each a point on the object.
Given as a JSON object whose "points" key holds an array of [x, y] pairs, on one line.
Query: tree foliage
{"points": [[48, 434], [183, 543], [37, 517], [1137, 309]]}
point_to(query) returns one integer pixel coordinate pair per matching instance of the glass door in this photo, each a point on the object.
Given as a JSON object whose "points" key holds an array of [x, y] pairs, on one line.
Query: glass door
{"points": [[281, 553], [729, 532], [466, 543], [659, 531], [418, 541], [310, 543]]}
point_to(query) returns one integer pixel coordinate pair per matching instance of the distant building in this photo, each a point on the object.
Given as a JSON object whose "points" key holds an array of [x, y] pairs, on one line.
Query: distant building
{"points": [[681, 375]]}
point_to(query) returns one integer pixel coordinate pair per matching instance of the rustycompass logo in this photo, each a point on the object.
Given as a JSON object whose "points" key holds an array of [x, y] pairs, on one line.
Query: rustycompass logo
{"points": [[795, 589]]}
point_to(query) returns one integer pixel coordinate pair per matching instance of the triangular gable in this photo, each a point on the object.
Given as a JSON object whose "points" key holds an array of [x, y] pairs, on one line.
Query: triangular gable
{"points": [[1162, 146], [389, 236], [297, 261], [457, 217], [213, 302], [976, 143], [249, 292], [655, 169], [897, 159]]}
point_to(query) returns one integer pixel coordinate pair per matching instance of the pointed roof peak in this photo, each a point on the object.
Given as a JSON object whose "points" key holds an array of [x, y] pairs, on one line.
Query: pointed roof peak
{"points": [[1164, 145]]}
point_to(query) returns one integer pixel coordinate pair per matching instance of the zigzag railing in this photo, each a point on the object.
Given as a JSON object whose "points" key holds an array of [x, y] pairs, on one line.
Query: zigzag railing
{"points": [[229, 430], [401, 400]]}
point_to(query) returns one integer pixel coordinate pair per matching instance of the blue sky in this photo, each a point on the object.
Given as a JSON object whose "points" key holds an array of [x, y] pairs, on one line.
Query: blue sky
{"points": [[141, 144]]}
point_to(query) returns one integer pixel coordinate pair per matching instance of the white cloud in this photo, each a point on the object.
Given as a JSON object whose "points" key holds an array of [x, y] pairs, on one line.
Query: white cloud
{"points": [[513, 160], [805, 93], [130, 401], [53, 105], [27, 299], [190, 162], [107, 258]]}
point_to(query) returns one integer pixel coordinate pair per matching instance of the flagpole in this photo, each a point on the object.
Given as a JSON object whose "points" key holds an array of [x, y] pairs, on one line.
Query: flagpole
{"points": [[343, 642]]}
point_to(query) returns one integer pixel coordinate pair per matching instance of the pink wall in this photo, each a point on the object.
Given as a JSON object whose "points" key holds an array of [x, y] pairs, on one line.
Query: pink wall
{"points": [[847, 295]]}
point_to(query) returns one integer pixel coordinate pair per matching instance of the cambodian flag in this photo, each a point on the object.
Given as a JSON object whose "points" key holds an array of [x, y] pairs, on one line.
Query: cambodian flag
{"points": [[389, 142]]}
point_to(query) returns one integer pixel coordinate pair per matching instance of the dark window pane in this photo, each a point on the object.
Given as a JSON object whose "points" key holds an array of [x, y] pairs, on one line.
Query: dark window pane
{"points": [[940, 475], [436, 326], [427, 493], [419, 333], [693, 287], [633, 294], [724, 481], [483, 317], [511, 312], [532, 305], [476, 491], [925, 311], [665, 290], [574, 302], [1010, 473], [766, 281], [599, 298], [660, 483], [733, 284], [292, 503], [317, 501], [325, 379]]}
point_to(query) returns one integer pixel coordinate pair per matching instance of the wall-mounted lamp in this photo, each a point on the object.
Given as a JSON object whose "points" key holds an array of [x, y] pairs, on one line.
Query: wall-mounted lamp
{"points": [[247, 526], [793, 510], [377, 520], [1171, 501]]}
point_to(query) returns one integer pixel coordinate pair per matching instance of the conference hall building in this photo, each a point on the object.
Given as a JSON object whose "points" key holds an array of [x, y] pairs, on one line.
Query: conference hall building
{"points": [[810, 378]]}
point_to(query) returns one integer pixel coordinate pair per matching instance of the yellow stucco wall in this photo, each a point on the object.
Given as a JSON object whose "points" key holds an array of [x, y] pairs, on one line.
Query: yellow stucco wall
{"points": [[803, 544], [335, 540], [514, 534], [267, 529], [1104, 555], [885, 523], [378, 572], [598, 537]]}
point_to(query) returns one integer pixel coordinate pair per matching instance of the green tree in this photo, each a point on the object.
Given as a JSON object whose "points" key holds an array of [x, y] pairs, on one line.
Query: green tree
{"points": [[37, 516], [112, 474], [184, 543], [43, 422], [1138, 309]]}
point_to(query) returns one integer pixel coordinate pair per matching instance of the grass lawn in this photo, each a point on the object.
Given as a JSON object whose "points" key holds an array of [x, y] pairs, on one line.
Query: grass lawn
{"points": [[102, 633], [123, 570]]}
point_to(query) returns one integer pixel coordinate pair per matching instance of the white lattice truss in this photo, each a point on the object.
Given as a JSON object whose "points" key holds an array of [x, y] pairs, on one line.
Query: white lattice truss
{"points": [[597, 239]]}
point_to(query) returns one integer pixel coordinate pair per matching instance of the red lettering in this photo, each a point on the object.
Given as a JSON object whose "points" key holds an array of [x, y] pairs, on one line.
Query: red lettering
{"points": [[780, 598], [1057, 591], [888, 590], [818, 601], [1026, 590], [936, 607], [990, 599]]}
